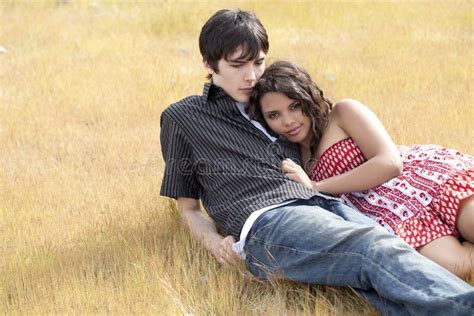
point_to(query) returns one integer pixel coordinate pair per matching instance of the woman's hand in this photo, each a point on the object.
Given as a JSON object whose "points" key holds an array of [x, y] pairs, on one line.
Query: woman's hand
{"points": [[294, 171]]}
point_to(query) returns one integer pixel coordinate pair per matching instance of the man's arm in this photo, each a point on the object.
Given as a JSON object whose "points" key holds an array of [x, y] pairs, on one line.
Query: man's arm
{"points": [[204, 230], [179, 182]]}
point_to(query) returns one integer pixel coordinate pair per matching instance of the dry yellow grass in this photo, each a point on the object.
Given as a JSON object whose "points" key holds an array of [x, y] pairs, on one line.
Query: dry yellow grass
{"points": [[82, 226]]}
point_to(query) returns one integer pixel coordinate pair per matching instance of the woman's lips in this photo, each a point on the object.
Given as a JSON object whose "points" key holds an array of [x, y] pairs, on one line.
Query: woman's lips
{"points": [[294, 131]]}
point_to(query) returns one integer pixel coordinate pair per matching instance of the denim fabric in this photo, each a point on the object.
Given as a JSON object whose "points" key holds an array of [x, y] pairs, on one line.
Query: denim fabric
{"points": [[325, 242]]}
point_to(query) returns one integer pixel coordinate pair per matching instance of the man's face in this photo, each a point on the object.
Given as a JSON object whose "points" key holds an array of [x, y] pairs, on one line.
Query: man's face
{"points": [[237, 76]]}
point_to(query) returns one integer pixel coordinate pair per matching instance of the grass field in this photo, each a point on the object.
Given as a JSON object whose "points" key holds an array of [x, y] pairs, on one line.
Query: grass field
{"points": [[82, 85]]}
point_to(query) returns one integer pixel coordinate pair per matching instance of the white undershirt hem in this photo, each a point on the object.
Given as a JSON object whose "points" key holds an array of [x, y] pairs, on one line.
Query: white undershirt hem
{"points": [[238, 247]]}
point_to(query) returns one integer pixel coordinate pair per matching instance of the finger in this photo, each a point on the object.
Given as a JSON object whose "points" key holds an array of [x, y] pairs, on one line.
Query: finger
{"points": [[295, 178], [293, 166], [227, 242], [235, 261], [228, 259], [220, 259], [286, 163], [288, 168], [227, 251], [220, 253], [290, 162], [230, 239], [232, 258]]}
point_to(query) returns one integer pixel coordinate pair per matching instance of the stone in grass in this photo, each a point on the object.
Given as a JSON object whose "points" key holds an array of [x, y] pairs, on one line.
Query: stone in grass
{"points": [[329, 76]]}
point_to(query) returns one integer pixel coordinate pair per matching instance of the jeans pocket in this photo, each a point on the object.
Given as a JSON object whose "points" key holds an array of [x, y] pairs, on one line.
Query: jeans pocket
{"points": [[262, 221]]}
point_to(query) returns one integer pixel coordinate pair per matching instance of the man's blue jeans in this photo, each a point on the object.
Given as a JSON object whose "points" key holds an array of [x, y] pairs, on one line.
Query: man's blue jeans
{"points": [[325, 242]]}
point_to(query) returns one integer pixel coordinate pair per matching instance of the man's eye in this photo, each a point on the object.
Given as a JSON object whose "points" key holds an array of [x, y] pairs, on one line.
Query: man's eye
{"points": [[236, 65], [259, 62]]}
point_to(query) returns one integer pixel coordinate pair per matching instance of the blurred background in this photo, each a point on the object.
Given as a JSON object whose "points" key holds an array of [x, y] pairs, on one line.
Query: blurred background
{"points": [[82, 86]]}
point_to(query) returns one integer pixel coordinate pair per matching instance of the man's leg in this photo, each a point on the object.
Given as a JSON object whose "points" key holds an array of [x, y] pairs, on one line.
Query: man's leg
{"points": [[307, 243]]}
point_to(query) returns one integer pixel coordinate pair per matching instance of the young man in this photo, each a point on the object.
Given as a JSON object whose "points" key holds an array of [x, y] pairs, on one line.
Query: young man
{"points": [[215, 154]]}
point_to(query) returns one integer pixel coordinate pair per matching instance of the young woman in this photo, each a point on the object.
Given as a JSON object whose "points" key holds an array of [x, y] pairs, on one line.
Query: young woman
{"points": [[422, 193]]}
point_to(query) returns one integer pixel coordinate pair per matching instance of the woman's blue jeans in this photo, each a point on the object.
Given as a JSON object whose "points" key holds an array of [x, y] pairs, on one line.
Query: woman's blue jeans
{"points": [[325, 242]]}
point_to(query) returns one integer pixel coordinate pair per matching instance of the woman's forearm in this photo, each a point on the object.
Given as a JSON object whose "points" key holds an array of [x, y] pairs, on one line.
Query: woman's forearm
{"points": [[370, 174]]}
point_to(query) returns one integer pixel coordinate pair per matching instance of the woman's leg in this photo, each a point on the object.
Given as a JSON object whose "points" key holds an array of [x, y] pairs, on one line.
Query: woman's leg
{"points": [[449, 253], [465, 220]]}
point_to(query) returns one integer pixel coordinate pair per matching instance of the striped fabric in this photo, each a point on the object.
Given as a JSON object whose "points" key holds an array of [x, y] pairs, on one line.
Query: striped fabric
{"points": [[213, 153]]}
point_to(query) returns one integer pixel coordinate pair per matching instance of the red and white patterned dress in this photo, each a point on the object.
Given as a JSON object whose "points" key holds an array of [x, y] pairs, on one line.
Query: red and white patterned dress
{"points": [[422, 203]]}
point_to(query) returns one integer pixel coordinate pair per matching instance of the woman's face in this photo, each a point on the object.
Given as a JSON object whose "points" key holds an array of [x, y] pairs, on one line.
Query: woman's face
{"points": [[285, 117]]}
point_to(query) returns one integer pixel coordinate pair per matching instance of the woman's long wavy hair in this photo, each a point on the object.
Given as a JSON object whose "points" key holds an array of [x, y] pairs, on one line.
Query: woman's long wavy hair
{"points": [[296, 84]]}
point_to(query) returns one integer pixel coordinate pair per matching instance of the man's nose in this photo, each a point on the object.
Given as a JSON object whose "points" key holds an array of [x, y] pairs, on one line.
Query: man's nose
{"points": [[250, 74]]}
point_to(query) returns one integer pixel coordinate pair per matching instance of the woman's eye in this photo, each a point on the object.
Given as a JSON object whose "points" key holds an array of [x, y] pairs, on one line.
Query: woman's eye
{"points": [[295, 106], [272, 116]]}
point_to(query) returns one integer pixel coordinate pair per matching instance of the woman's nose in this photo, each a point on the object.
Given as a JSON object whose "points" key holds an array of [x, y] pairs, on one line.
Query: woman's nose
{"points": [[288, 120]]}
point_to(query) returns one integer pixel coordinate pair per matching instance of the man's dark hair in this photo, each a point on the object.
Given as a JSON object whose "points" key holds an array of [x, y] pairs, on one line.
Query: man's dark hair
{"points": [[226, 30]]}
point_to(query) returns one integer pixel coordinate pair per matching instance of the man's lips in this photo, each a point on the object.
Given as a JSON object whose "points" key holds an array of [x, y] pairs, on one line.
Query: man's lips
{"points": [[294, 131], [246, 90]]}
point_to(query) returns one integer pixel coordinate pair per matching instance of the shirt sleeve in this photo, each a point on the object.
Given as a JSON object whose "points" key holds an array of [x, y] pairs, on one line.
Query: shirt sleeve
{"points": [[179, 179]]}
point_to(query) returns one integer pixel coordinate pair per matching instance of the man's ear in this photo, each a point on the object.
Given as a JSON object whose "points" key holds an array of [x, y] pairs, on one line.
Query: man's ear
{"points": [[208, 68]]}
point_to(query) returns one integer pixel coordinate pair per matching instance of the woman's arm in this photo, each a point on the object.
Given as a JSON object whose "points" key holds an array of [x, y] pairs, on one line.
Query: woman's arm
{"points": [[383, 160]]}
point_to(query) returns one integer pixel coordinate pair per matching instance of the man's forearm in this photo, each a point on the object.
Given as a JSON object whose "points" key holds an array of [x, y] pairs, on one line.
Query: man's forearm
{"points": [[202, 228]]}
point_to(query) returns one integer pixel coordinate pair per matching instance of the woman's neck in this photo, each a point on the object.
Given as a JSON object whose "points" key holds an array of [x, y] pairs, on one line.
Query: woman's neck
{"points": [[305, 144], [306, 158]]}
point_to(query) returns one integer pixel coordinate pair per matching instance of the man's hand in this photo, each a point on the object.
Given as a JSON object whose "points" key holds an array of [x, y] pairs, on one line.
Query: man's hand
{"points": [[203, 229], [225, 254], [294, 171]]}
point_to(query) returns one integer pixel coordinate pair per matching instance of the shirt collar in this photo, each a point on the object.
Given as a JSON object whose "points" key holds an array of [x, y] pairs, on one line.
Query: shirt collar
{"points": [[212, 92]]}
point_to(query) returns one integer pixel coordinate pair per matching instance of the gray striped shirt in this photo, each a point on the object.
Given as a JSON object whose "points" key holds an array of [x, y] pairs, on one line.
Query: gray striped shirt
{"points": [[213, 153]]}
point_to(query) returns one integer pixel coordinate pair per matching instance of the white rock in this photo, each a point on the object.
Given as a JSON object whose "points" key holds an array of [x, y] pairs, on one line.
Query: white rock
{"points": [[184, 51], [329, 76], [94, 3], [2, 50]]}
